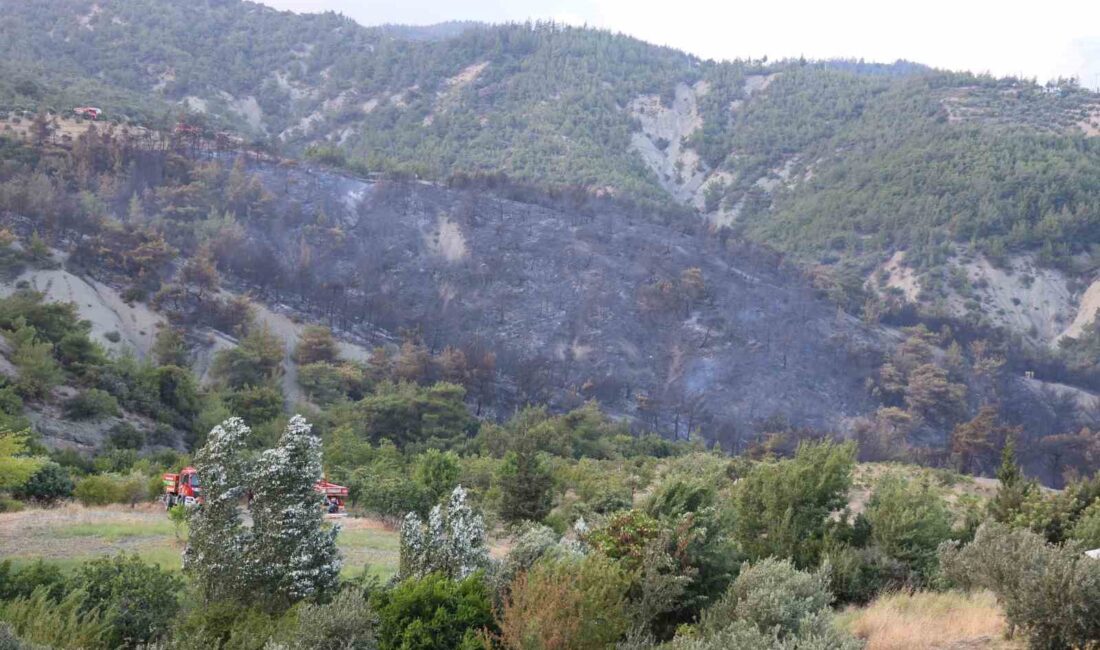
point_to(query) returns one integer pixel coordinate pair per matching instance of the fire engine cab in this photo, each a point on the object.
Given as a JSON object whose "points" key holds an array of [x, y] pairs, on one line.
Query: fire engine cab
{"points": [[182, 488]]}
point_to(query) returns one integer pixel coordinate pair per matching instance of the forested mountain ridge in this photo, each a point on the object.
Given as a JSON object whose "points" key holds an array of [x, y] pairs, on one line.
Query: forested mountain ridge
{"points": [[837, 163]]}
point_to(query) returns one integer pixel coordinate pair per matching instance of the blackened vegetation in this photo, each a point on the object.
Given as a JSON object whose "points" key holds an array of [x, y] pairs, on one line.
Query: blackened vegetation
{"points": [[654, 318], [525, 295]]}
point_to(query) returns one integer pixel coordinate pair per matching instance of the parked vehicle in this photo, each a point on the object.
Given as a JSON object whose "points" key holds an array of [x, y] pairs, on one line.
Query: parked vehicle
{"points": [[182, 488]]}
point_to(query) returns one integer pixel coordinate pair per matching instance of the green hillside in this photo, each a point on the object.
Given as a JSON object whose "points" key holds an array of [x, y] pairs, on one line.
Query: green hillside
{"points": [[824, 160]]}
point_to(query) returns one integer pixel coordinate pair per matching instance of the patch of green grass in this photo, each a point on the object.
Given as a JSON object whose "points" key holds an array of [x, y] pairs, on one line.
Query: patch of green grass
{"points": [[155, 542], [378, 550], [114, 532], [166, 554], [374, 539], [67, 565]]}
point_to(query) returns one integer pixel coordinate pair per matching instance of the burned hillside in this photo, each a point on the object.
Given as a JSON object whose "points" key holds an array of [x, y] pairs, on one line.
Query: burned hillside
{"points": [[668, 323]]}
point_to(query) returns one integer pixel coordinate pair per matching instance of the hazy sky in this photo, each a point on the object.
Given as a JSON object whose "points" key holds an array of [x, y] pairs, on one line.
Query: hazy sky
{"points": [[1034, 39]]}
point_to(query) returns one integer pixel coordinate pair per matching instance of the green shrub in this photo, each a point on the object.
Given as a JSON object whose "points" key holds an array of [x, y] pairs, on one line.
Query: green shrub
{"points": [[115, 461], [347, 623], [1050, 515], [92, 404], [625, 537], [255, 361], [16, 463], [909, 521], [254, 629], [60, 624], [22, 583], [525, 486], [391, 495], [573, 603], [323, 382], [1048, 591], [534, 542], [438, 472], [78, 353], [9, 641], [817, 633], [1087, 528], [316, 345], [857, 575], [125, 436], [137, 600], [434, 613], [73, 460], [38, 372], [771, 594], [50, 483], [10, 401], [689, 506], [782, 508], [228, 624], [178, 392], [8, 504], [105, 489], [256, 404], [98, 490], [771, 605]]}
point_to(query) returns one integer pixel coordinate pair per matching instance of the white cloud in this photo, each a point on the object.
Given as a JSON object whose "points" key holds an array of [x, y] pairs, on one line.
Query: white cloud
{"points": [[1003, 37]]}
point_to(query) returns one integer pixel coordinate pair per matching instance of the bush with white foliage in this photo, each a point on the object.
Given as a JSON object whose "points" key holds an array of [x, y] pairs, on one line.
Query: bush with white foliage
{"points": [[452, 543], [294, 556], [218, 544]]}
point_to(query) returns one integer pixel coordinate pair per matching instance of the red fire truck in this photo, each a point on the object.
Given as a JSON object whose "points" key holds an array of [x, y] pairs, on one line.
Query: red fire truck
{"points": [[182, 488], [88, 112], [335, 496]]}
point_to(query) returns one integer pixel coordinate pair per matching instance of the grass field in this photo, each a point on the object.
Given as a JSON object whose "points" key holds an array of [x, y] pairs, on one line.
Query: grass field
{"points": [[70, 534], [927, 620]]}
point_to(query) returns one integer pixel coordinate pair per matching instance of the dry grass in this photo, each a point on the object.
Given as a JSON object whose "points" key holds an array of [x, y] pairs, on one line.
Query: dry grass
{"points": [[72, 530], [944, 621]]}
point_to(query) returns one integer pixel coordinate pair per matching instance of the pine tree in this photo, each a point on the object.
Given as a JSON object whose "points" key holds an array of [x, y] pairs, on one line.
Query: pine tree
{"points": [[1014, 488], [294, 558], [452, 543], [316, 344], [170, 347], [218, 545], [526, 486], [135, 213]]}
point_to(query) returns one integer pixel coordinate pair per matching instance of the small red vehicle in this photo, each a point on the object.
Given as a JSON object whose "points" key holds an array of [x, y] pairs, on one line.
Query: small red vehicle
{"points": [[190, 130], [335, 496], [182, 488], [88, 112]]}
